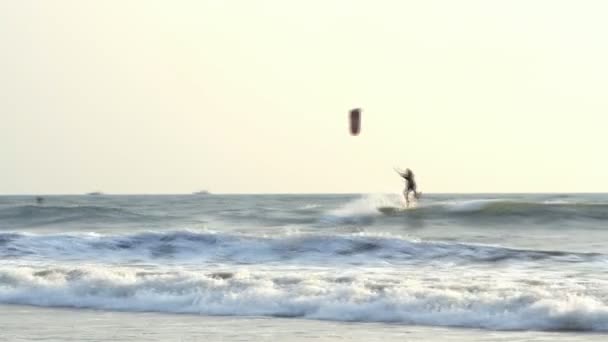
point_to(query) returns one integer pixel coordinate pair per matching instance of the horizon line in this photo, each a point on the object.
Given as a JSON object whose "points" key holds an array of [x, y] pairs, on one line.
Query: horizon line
{"points": [[211, 194]]}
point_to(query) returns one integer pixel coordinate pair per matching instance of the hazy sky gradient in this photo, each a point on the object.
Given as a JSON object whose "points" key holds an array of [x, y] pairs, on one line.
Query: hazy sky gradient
{"points": [[252, 96]]}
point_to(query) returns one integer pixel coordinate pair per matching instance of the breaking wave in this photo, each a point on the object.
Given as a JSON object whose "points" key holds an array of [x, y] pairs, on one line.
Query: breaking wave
{"points": [[483, 211], [514, 302], [314, 249]]}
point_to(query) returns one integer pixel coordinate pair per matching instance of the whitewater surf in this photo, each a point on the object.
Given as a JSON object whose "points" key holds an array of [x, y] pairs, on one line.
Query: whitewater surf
{"points": [[499, 262]]}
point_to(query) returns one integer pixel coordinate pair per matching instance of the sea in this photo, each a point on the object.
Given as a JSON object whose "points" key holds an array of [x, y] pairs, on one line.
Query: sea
{"points": [[302, 267]]}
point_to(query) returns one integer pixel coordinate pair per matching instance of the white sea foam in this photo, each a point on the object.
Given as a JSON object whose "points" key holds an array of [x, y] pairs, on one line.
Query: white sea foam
{"points": [[360, 210], [410, 296], [468, 205]]}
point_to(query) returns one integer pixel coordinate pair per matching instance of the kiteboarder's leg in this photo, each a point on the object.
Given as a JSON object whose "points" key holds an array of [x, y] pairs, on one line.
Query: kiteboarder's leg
{"points": [[406, 194], [413, 189]]}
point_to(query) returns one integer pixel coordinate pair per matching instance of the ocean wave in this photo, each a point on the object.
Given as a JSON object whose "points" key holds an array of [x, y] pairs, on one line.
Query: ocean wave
{"points": [[301, 248], [420, 297], [547, 210], [34, 215], [366, 210], [362, 211]]}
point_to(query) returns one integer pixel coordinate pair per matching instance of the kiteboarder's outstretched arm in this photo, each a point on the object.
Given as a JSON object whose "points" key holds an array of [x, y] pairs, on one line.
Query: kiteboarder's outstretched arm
{"points": [[401, 173]]}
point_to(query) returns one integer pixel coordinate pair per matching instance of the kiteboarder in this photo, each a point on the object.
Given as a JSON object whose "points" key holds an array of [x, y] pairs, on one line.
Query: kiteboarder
{"points": [[410, 185]]}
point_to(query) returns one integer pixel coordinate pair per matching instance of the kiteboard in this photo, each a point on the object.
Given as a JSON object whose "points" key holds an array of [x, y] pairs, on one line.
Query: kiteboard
{"points": [[392, 210]]}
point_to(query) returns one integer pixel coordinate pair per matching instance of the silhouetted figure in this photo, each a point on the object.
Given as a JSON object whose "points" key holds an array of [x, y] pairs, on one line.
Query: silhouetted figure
{"points": [[410, 185]]}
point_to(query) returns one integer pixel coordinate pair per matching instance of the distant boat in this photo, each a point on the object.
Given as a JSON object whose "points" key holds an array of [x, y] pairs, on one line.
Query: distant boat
{"points": [[202, 192], [95, 193]]}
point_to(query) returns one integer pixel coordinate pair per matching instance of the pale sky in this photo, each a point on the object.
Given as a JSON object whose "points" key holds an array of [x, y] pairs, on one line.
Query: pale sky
{"points": [[252, 96]]}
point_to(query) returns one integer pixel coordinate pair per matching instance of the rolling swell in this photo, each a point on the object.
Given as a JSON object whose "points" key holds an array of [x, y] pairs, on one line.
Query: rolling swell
{"points": [[536, 210], [362, 211], [307, 249], [34, 216], [488, 211]]}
